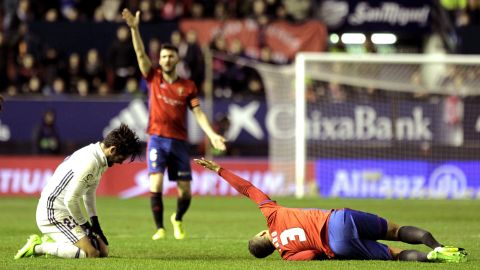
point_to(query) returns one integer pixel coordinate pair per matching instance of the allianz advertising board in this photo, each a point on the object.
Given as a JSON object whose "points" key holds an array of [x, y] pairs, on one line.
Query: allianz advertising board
{"points": [[397, 179]]}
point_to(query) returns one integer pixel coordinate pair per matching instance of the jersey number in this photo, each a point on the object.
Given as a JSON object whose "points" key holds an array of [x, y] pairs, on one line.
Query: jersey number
{"points": [[70, 222], [290, 235]]}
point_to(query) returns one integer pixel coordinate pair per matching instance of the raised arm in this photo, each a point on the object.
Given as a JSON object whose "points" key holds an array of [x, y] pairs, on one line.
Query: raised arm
{"points": [[217, 141], [241, 185], [133, 22]]}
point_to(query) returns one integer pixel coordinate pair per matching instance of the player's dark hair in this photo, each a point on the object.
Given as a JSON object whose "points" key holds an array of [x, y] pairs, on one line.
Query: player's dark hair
{"points": [[260, 247], [168, 46], [125, 140]]}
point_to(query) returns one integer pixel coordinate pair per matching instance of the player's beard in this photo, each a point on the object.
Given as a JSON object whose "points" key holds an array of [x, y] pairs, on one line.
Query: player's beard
{"points": [[169, 71]]}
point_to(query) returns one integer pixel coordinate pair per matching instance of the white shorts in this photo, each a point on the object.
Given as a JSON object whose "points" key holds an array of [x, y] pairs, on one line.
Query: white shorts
{"points": [[62, 228]]}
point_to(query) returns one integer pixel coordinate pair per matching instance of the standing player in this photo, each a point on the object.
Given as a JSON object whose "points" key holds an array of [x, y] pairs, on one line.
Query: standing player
{"points": [[310, 234], [67, 232], [169, 97]]}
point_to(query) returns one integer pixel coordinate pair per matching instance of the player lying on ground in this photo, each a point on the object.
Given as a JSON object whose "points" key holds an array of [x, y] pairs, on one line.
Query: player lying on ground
{"points": [[67, 232], [312, 234]]}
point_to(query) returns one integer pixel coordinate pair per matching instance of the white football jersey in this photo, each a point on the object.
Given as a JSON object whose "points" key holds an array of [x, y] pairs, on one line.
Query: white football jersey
{"points": [[76, 178]]}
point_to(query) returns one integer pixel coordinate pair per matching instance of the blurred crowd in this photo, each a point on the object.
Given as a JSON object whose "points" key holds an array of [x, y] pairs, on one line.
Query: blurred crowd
{"points": [[29, 66], [463, 12]]}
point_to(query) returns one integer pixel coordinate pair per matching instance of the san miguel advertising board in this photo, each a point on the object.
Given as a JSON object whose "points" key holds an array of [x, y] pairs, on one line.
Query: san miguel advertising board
{"points": [[376, 15]]}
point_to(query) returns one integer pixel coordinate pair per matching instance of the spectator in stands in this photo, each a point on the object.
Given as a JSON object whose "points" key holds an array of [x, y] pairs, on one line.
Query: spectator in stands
{"points": [[266, 55], [51, 15], [52, 65], [46, 138], [172, 9], [74, 72], [197, 10], [220, 12], [26, 70], [176, 39], [235, 67], [280, 12], [3, 62], [194, 59], [82, 87], [133, 89], [220, 67], [9, 7], [298, 10], [455, 9], [94, 69], [154, 49], [56, 88], [121, 60], [259, 13], [17, 13], [255, 87], [108, 10], [34, 86]]}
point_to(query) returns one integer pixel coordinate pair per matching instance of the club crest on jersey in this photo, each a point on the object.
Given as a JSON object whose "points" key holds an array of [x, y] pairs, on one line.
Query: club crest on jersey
{"points": [[181, 91], [88, 179]]}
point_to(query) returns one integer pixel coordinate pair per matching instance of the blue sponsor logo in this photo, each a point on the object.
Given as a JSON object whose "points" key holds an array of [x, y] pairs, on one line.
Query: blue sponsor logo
{"points": [[398, 179]]}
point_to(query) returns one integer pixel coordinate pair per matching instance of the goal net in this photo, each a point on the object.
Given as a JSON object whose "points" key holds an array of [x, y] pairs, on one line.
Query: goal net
{"points": [[371, 125]]}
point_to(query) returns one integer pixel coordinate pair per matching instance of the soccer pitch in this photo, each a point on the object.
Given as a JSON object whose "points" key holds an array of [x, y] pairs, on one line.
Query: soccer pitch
{"points": [[218, 229]]}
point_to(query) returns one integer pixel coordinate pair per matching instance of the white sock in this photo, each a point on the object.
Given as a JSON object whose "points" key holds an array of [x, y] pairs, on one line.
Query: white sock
{"points": [[60, 250]]}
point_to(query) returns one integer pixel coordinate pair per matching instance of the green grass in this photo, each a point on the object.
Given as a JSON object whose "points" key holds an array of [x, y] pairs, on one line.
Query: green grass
{"points": [[218, 230]]}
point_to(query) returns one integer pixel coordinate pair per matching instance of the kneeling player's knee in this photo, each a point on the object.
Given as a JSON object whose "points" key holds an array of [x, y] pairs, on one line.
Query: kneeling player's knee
{"points": [[104, 251], [92, 253]]}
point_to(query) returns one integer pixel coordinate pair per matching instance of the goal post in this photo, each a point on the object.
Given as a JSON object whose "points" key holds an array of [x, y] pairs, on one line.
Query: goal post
{"points": [[365, 125], [300, 144], [391, 83]]}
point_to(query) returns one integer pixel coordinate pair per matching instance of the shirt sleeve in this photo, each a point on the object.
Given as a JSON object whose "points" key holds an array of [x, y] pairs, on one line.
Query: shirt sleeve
{"points": [[243, 186], [82, 181], [90, 201], [73, 197], [151, 74], [194, 101]]}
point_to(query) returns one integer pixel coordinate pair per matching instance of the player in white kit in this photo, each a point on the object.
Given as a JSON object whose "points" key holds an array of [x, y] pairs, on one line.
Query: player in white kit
{"points": [[67, 233]]}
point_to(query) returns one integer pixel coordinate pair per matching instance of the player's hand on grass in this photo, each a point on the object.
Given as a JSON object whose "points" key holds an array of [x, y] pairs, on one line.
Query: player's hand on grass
{"points": [[207, 164], [132, 21], [218, 142], [98, 230], [87, 228]]}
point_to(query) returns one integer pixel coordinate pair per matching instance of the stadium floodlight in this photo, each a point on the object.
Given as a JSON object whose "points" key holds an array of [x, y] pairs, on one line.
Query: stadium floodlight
{"points": [[334, 38], [384, 38], [353, 38]]}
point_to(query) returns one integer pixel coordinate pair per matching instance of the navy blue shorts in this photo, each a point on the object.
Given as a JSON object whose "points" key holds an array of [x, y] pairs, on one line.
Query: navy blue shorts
{"points": [[353, 235], [169, 153]]}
